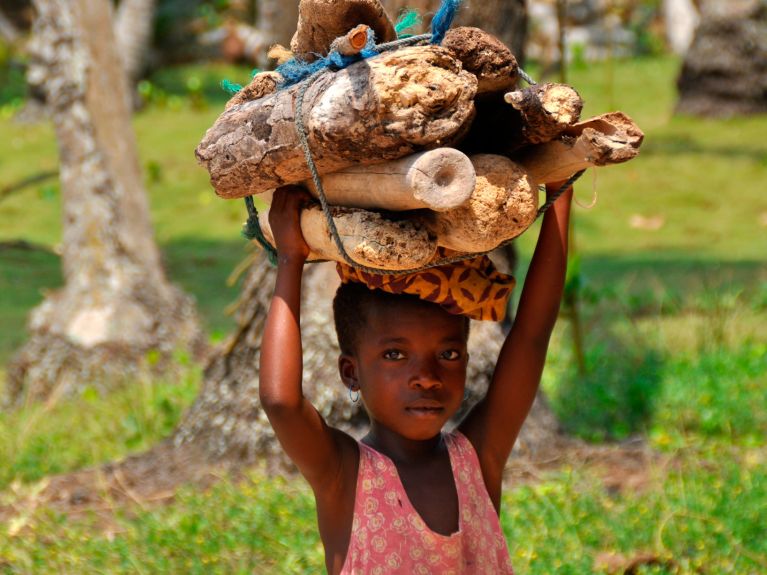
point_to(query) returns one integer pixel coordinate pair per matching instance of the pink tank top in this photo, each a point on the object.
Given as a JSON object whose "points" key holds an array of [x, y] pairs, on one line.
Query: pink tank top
{"points": [[389, 536]]}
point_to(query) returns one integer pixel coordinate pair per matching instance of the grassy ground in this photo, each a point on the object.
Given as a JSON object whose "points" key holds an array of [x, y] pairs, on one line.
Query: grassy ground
{"points": [[674, 298]]}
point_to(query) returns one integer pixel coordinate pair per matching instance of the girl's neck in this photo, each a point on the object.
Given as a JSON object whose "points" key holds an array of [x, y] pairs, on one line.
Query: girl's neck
{"points": [[400, 449]]}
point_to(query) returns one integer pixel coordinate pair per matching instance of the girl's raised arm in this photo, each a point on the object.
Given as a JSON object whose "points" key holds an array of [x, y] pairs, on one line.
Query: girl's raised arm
{"points": [[494, 424], [313, 446]]}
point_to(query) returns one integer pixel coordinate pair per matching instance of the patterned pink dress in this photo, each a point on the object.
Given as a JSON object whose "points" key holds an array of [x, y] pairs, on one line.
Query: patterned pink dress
{"points": [[389, 536]]}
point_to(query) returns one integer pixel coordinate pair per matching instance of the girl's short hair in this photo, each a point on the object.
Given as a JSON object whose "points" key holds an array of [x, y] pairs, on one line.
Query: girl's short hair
{"points": [[351, 307]]}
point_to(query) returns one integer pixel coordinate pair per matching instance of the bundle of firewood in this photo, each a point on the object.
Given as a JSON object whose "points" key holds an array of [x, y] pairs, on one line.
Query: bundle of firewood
{"points": [[418, 148]]}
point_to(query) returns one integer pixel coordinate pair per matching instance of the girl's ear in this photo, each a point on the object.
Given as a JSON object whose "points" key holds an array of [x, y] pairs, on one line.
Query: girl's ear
{"points": [[347, 368]]}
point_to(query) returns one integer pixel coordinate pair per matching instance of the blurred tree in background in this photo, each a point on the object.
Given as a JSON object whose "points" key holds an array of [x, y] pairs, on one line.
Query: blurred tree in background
{"points": [[116, 306], [725, 70]]}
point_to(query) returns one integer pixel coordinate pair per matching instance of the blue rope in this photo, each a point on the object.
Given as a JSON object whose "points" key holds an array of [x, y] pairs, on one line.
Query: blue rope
{"points": [[443, 19], [296, 70]]}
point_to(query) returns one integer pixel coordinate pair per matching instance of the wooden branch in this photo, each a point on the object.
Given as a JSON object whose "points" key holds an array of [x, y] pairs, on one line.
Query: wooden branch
{"points": [[504, 204], [380, 109], [320, 22], [353, 42], [611, 138], [547, 111], [368, 238], [440, 179], [483, 55]]}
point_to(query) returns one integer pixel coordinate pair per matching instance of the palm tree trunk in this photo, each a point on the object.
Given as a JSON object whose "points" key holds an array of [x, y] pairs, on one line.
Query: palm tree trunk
{"points": [[116, 305]]}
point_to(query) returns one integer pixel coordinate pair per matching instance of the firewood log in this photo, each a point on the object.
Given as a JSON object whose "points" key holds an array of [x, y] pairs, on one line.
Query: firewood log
{"points": [[547, 110], [368, 238], [486, 57], [380, 109], [503, 205], [320, 22], [535, 114], [611, 138], [439, 179]]}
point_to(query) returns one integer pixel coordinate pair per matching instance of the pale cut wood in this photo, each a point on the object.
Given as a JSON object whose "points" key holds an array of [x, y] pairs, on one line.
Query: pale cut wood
{"points": [[485, 56], [439, 179], [381, 109], [320, 22], [504, 204], [611, 138], [368, 238]]}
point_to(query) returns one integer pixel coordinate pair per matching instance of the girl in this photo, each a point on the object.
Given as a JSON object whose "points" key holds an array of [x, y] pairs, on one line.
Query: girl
{"points": [[408, 498]]}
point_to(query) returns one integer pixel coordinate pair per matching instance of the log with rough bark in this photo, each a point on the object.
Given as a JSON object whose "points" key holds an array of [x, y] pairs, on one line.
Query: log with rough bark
{"points": [[611, 138], [533, 115], [439, 179], [368, 238], [504, 204], [379, 109], [320, 22], [547, 110], [486, 57]]}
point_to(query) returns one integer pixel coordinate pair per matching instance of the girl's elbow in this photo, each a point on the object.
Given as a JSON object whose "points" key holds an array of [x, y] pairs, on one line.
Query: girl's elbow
{"points": [[274, 402]]}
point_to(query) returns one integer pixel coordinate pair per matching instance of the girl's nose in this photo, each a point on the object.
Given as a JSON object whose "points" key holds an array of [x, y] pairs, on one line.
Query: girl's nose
{"points": [[425, 376]]}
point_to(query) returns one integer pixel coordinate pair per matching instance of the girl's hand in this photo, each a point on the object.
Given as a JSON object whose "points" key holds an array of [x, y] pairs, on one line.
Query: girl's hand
{"points": [[285, 221]]}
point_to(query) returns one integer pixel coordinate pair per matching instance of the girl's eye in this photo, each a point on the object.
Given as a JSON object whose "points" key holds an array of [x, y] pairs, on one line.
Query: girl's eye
{"points": [[393, 354], [451, 354]]}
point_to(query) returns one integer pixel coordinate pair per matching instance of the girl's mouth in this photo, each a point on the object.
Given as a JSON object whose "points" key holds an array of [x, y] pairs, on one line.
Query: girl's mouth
{"points": [[425, 408]]}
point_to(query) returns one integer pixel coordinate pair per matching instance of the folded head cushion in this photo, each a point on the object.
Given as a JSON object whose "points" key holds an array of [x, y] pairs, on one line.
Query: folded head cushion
{"points": [[473, 288]]}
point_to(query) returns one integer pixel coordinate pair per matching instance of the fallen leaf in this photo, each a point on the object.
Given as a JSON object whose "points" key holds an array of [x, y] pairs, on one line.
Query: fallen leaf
{"points": [[651, 223]]}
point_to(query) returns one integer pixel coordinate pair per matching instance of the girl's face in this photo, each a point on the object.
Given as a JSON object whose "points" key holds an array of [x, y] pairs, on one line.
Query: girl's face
{"points": [[410, 367]]}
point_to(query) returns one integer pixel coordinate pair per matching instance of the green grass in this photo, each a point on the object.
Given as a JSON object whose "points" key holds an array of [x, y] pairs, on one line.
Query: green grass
{"points": [[675, 324]]}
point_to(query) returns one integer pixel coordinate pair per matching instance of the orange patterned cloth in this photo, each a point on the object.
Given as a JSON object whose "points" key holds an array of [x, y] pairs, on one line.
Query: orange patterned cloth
{"points": [[473, 288]]}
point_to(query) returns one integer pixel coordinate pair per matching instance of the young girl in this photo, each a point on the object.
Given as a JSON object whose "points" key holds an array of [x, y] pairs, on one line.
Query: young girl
{"points": [[408, 498]]}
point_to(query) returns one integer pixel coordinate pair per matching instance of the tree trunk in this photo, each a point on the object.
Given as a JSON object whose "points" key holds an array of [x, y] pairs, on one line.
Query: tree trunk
{"points": [[133, 31], [226, 421], [725, 71], [116, 305]]}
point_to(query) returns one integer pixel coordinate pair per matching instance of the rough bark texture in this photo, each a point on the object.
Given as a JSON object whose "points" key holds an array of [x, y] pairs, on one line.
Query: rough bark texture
{"points": [[380, 109], [547, 110], [262, 85], [367, 237], [320, 22], [226, 421], [485, 56], [503, 205], [116, 304], [725, 71]]}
